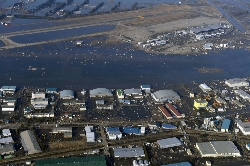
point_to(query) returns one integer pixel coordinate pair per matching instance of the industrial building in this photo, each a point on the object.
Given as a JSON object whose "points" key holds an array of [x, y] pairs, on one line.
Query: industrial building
{"points": [[129, 152], [73, 161], [179, 164], [62, 130], [136, 93], [6, 140], [6, 108], [205, 88], [29, 142], [100, 92], [146, 88], [8, 89], [165, 112], [90, 135], [51, 90], [174, 111], [6, 132], [168, 126], [244, 95], [200, 103], [207, 28], [218, 149], [244, 127], [39, 103], [132, 130], [119, 93], [165, 96], [169, 142], [113, 133], [7, 149], [38, 95], [225, 125], [237, 82], [67, 94]]}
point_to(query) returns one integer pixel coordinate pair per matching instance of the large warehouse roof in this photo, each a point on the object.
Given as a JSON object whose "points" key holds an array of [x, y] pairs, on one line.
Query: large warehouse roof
{"points": [[169, 142], [73, 161], [217, 149], [29, 142], [100, 92], [236, 82], [165, 95], [67, 94], [206, 28], [179, 164], [129, 152]]}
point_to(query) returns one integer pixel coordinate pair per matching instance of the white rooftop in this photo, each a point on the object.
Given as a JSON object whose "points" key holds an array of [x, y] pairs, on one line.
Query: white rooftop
{"points": [[169, 142]]}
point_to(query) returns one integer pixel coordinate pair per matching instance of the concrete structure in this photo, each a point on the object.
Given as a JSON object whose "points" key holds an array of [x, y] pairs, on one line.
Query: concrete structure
{"points": [[39, 103], [29, 142], [101, 92], [38, 95], [133, 92], [225, 125], [244, 127], [113, 133], [237, 82], [165, 112], [200, 103], [8, 89], [173, 111], [119, 93], [67, 94], [205, 88], [129, 152], [51, 90], [165, 96], [218, 149], [6, 132], [90, 135], [169, 142], [244, 95], [7, 149]]}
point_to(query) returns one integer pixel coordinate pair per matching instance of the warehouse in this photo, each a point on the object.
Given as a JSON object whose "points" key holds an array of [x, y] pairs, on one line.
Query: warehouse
{"points": [[131, 130], [218, 149], [62, 130], [173, 110], [29, 142], [237, 82], [244, 95], [169, 142], [6, 132], [51, 90], [129, 152], [113, 133], [8, 89], [244, 127], [165, 96], [67, 94], [165, 112], [133, 92], [40, 103], [90, 135], [207, 28], [38, 95], [205, 88], [100, 92], [225, 125], [179, 164], [7, 149], [73, 161]]}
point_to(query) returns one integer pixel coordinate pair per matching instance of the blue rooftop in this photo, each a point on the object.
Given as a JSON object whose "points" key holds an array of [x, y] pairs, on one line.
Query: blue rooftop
{"points": [[179, 164], [145, 86], [168, 126], [225, 124], [131, 130], [112, 129]]}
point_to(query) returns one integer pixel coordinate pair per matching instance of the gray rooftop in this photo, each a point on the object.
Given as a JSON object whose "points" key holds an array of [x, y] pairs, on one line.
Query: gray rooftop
{"points": [[169, 142], [67, 94], [29, 142], [100, 92], [132, 91], [206, 28], [128, 152], [164, 95], [9, 148]]}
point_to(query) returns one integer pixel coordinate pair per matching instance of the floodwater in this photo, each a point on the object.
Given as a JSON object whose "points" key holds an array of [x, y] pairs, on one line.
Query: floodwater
{"points": [[64, 65], [60, 34]]}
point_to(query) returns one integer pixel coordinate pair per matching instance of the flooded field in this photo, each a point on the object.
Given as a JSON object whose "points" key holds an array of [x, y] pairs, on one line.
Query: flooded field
{"points": [[59, 34]]}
